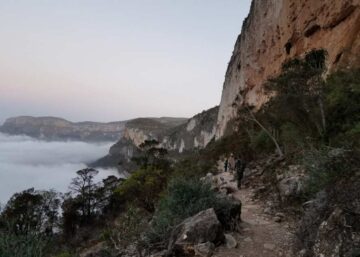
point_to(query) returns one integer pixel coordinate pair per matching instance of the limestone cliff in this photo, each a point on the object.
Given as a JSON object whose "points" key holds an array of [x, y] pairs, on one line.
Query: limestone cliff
{"points": [[51, 128], [176, 135], [138, 130], [278, 30], [197, 132]]}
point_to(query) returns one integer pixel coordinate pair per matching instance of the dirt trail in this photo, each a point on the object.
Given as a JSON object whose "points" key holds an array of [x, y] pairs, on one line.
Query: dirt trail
{"points": [[259, 234]]}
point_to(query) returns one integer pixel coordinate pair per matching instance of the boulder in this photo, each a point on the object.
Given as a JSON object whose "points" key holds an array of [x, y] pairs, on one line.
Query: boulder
{"points": [[334, 237], [277, 219], [230, 241], [290, 187], [291, 184], [204, 249], [202, 228]]}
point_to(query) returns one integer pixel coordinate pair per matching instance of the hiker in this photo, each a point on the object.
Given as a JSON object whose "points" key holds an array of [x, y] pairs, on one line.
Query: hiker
{"points": [[239, 167], [226, 164], [231, 163]]}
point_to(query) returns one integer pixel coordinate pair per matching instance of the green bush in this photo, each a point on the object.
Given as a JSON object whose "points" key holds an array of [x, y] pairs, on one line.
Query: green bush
{"points": [[126, 231], [326, 166], [65, 254], [23, 245], [292, 138], [184, 198], [261, 142], [143, 187], [342, 94]]}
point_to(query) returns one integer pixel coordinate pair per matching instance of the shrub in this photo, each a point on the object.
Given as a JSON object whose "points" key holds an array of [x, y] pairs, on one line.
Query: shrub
{"points": [[22, 245], [184, 199], [326, 166], [342, 94], [143, 187], [65, 254], [292, 138], [127, 231], [261, 142]]}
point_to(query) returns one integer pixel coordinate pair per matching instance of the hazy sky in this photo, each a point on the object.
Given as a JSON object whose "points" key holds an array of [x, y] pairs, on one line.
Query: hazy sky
{"points": [[116, 59]]}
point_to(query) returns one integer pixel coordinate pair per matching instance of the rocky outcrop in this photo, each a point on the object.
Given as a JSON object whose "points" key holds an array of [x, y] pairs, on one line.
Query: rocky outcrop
{"points": [[51, 128], [141, 129], [197, 132], [331, 222], [279, 30], [176, 135], [136, 132], [291, 183], [120, 156]]}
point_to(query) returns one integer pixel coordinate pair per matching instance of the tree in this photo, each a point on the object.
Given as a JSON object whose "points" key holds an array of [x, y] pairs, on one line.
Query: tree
{"points": [[71, 217], [247, 114], [84, 187], [296, 95], [32, 211]]}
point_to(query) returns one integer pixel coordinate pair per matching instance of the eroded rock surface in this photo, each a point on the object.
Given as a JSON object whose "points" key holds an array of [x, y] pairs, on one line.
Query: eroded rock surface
{"points": [[279, 30]]}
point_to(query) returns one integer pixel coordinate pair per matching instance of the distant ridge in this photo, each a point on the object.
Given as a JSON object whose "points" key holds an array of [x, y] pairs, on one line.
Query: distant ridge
{"points": [[59, 129]]}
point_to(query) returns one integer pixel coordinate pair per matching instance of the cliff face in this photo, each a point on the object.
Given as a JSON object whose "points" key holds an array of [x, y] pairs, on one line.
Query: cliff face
{"points": [[279, 30], [141, 129], [51, 128], [176, 135], [197, 132]]}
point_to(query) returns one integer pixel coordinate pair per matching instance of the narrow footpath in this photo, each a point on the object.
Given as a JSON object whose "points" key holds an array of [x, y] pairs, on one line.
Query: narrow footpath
{"points": [[259, 234]]}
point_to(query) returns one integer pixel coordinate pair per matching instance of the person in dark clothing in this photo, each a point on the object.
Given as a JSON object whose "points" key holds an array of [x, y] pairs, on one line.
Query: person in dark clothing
{"points": [[226, 163], [240, 166]]}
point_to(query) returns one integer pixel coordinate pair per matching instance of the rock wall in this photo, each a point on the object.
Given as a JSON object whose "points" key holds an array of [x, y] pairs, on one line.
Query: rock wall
{"points": [[279, 30], [196, 133]]}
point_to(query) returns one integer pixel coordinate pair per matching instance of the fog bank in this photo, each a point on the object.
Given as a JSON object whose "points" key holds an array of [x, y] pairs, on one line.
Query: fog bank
{"points": [[27, 162]]}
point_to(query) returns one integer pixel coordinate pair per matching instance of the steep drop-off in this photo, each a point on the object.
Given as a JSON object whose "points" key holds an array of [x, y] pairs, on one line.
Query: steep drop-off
{"points": [[279, 30]]}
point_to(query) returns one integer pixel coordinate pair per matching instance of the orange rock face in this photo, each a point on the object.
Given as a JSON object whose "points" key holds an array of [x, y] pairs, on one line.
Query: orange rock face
{"points": [[279, 30]]}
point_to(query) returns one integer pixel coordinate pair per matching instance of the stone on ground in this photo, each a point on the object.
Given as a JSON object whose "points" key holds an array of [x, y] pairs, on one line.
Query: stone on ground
{"points": [[204, 249], [201, 228], [230, 241]]}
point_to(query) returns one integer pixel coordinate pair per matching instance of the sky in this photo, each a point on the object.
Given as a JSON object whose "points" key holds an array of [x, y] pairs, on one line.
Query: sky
{"points": [[115, 59]]}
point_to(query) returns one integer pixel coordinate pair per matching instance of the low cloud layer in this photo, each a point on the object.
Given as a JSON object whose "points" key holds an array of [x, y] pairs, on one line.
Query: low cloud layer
{"points": [[26, 162]]}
